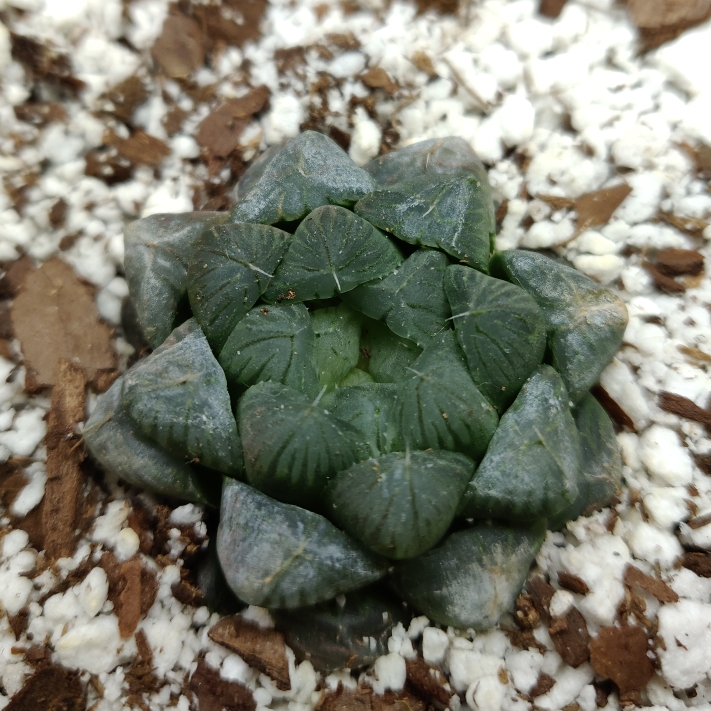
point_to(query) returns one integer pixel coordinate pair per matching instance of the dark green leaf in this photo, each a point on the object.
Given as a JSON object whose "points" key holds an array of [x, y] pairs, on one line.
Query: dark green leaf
{"points": [[440, 407], [386, 355], [368, 408], [118, 444], [473, 577], [307, 173], [178, 397], [230, 269], [585, 321], [332, 252], [601, 463], [337, 348], [277, 555], [292, 446], [454, 214], [411, 301], [531, 468], [500, 329], [158, 250], [356, 377], [350, 633], [275, 343], [435, 157], [254, 173], [401, 504]]}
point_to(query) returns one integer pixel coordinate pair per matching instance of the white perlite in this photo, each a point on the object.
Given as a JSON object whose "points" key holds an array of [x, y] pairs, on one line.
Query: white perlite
{"points": [[506, 79]]}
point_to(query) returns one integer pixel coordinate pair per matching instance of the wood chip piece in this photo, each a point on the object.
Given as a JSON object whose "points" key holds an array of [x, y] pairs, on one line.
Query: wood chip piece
{"points": [[620, 654], [574, 583], [55, 318], [65, 453], [51, 688], [263, 649], [654, 586], [143, 149], [220, 130], [44, 62], [428, 681], [423, 62], [570, 637], [543, 685], [674, 262], [596, 208], [541, 593], [216, 694], [129, 600], [40, 114], [557, 202], [126, 97], [179, 50], [698, 563], [683, 407], [662, 20], [188, 594], [220, 27], [378, 78], [662, 281], [551, 8]]}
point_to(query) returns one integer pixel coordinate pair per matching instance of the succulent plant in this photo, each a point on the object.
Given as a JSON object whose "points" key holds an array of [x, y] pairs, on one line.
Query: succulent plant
{"points": [[363, 385]]}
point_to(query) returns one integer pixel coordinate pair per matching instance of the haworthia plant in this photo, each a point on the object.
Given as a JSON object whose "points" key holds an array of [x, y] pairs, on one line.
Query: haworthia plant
{"points": [[376, 394]]}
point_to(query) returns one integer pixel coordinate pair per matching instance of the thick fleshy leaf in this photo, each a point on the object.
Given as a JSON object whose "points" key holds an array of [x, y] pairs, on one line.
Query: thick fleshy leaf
{"points": [[282, 556], [453, 213], [178, 397], [158, 251], [473, 577], [585, 321], [332, 252], [293, 446], [254, 173], [275, 343], [411, 301], [531, 468], [368, 408], [386, 355], [500, 329], [230, 269], [356, 377], [401, 504], [338, 634], [308, 172], [118, 444], [439, 406], [436, 156], [601, 462], [337, 347]]}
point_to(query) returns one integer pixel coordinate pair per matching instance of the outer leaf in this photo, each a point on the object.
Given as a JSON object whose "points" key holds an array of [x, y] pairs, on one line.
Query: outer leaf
{"points": [[118, 444], [386, 355], [230, 269], [368, 408], [531, 468], [291, 445], [343, 634], [178, 397], [411, 301], [307, 173], [500, 329], [401, 504], [254, 173], [440, 407], [437, 156], [275, 343], [332, 252], [281, 556], [601, 462], [473, 577], [454, 214], [337, 349], [157, 255], [585, 322]]}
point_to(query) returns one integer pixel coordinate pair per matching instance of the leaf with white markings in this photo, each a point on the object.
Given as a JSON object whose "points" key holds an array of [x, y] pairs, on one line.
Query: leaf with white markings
{"points": [[500, 329], [231, 267], [337, 346], [281, 556], [400, 504], [386, 355], [332, 252], [411, 301], [292, 446], [275, 343]]}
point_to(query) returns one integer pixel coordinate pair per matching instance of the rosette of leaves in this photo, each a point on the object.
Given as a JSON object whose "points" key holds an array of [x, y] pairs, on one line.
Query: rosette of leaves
{"points": [[363, 386]]}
